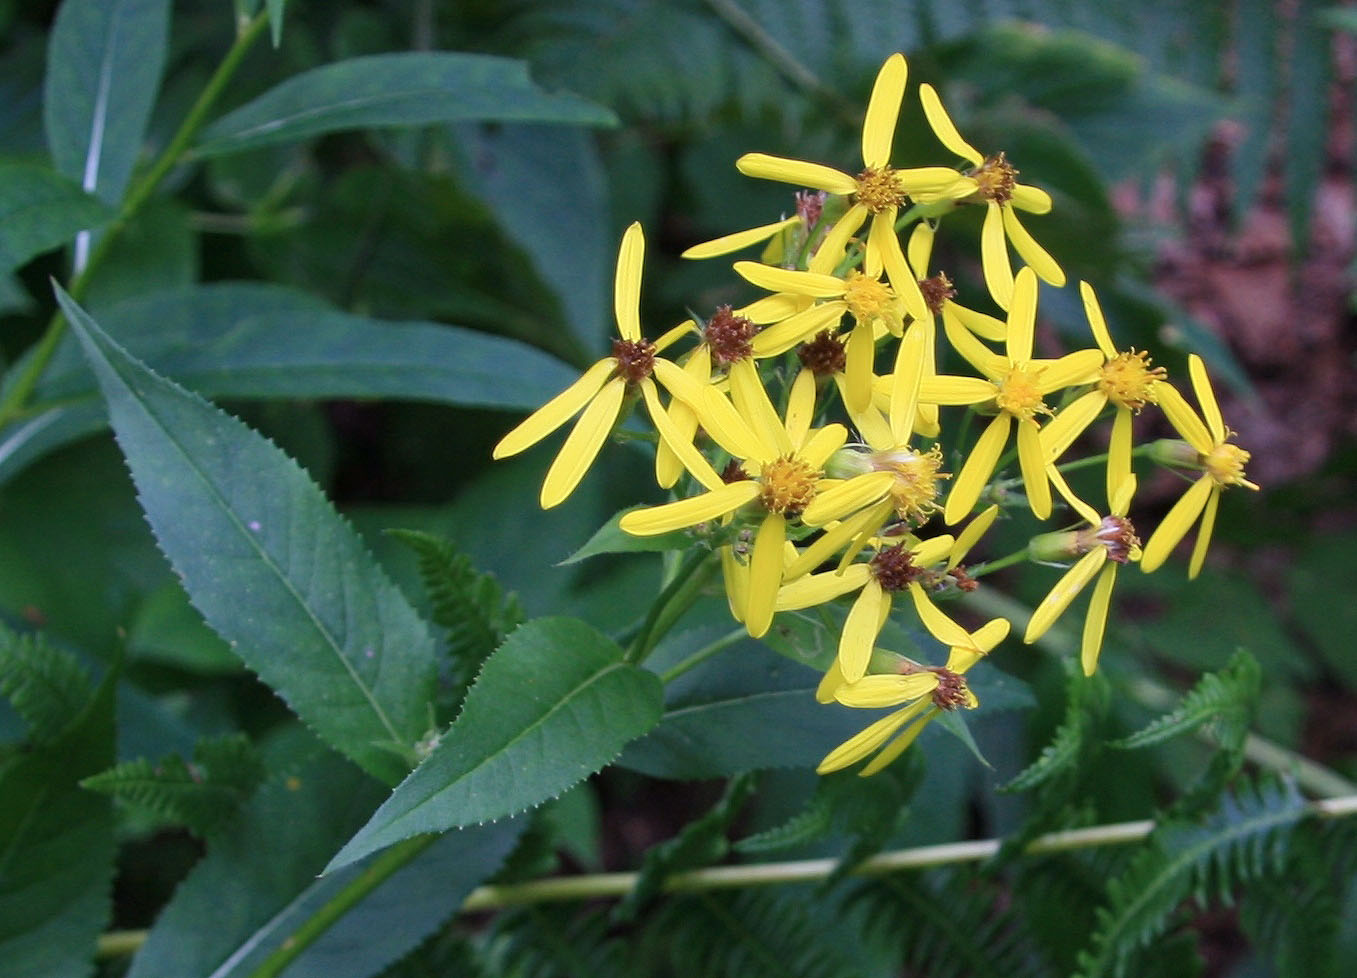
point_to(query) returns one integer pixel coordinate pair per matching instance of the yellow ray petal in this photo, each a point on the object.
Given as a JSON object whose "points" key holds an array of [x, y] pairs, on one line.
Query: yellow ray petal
{"points": [[736, 578], [674, 439], [1066, 590], [902, 279], [830, 252], [773, 308], [725, 244], [970, 536], [1183, 418], [990, 634], [994, 257], [860, 745], [765, 574], [979, 356], [810, 590], [878, 128], [766, 167], [945, 389], [1022, 317], [920, 248], [1206, 397], [829, 684], [1094, 312], [1071, 370], [905, 380], [1204, 533], [1095, 621], [751, 401], [1175, 525], [932, 551], [800, 328], [928, 184], [943, 127], [1032, 462], [824, 443], [689, 512], [986, 327], [848, 497], [627, 284], [939, 625], [556, 411], [1034, 254], [722, 422], [901, 743], [776, 279], [832, 540], [1119, 493], [1058, 434], [1077, 504], [874, 692], [1034, 200], [801, 406], [860, 629], [583, 443], [977, 470], [860, 357]]}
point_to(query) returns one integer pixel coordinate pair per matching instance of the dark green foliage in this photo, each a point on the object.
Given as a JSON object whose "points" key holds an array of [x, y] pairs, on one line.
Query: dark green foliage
{"points": [[201, 795], [553, 942], [46, 686], [944, 925], [1225, 699], [473, 610], [1244, 839], [1085, 705]]}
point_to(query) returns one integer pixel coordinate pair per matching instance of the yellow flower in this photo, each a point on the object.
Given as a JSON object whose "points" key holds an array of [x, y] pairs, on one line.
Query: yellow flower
{"points": [[1015, 386], [599, 395], [1109, 542], [1221, 463], [879, 190], [786, 470], [996, 185], [927, 690]]}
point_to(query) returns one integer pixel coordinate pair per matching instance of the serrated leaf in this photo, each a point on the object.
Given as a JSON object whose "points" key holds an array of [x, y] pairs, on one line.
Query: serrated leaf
{"points": [[41, 210], [57, 849], [104, 61], [553, 705], [46, 686], [385, 90], [269, 564], [201, 796], [252, 340], [1086, 699], [1227, 698], [611, 539]]}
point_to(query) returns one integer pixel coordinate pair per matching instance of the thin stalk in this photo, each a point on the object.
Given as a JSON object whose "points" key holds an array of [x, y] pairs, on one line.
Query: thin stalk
{"points": [[676, 598], [990, 566], [18, 394], [345, 900], [703, 654]]}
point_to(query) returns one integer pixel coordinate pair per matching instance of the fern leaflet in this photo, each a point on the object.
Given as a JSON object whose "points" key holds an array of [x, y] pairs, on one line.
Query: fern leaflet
{"points": [[46, 686], [1226, 698]]}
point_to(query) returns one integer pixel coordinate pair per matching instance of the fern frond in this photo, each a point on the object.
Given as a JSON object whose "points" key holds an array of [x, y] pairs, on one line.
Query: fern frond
{"points": [[752, 934], [1246, 838], [201, 796], [553, 942], [46, 686], [1085, 703], [944, 925], [1226, 698]]}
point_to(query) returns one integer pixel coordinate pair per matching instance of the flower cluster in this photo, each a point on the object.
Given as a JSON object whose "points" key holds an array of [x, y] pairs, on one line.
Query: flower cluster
{"points": [[810, 430]]}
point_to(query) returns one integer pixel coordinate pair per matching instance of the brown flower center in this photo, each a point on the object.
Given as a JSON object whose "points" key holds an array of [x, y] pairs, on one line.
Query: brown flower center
{"points": [[894, 568], [824, 355], [951, 692], [995, 179], [1119, 537], [937, 290], [878, 190], [635, 359], [729, 337], [1128, 380]]}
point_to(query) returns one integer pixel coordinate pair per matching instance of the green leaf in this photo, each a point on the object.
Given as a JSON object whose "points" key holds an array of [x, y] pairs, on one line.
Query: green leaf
{"points": [[157, 252], [47, 686], [104, 61], [1226, 698], [275, 9], [269, 564], [56, 848], [553, 705], [41, 210], [252, 340], [1086, 702], [1331, 624], [1307, 127], [201, 796], [611, 539], [385, 90]]}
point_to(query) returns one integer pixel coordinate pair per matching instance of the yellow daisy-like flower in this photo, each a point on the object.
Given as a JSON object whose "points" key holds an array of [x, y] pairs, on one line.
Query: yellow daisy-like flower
{"points": [[1015, 385], [785, 470], [927, 690], [879, 190], [1107, 543], [1221, 463], [599, 395], [997, 186]]}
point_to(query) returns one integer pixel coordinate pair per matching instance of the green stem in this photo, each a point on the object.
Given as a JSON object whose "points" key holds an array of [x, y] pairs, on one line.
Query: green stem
{"points": [[18, 394], [1140, 451], [345, 900], [676, 598], [703, 654], [990, 566]]}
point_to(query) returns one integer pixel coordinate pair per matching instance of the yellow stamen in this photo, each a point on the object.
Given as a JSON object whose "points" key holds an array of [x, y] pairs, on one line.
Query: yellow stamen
{"points": [[878, 190], [1225, 464], [869, 299], [914, 492], [1128, 380], [1020, 394], [787, 484], [995, 179]]}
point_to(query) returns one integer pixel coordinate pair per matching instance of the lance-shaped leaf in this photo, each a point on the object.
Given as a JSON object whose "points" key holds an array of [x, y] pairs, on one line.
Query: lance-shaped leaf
{"points": [[41, 210], [103, 71], [268, 563], [384, 90], [553, 705]]}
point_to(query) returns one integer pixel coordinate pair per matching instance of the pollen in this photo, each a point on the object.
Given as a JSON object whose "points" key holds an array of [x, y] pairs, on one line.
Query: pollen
{"points": [[788, 484], [878, 190], [1019, 394], [1128, 380], [635, 359], [936, 291], [894, 568], [1225, 464], [870, 299], [995, 179], [915, 490], [729, 337], [823, 356], [951, 692]]}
